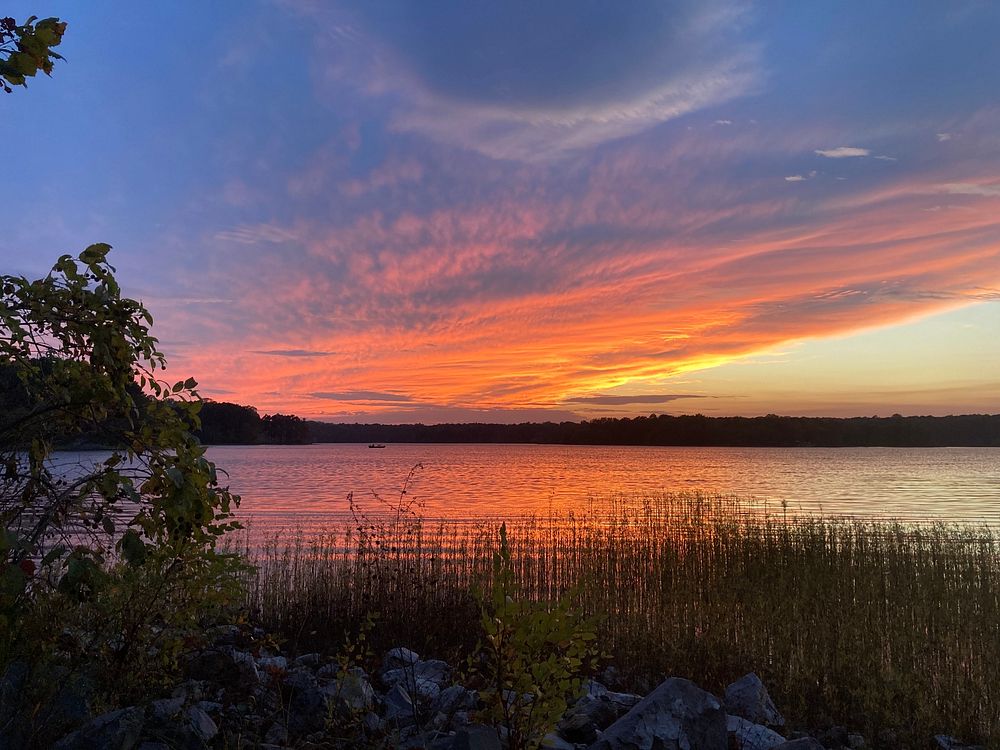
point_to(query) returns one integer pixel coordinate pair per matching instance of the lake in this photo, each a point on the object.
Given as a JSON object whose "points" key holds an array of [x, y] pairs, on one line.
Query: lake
{"points": [[304, 486]]}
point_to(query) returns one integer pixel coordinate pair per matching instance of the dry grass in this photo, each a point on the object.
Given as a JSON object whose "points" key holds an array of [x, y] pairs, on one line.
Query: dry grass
{"points": [[867, 623]]}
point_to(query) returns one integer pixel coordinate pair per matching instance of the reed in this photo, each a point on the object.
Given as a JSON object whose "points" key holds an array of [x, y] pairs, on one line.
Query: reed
{"points": [[874, 624]]}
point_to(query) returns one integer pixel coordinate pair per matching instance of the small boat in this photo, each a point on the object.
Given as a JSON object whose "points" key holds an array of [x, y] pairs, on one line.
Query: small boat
{"points": [[376, 445]]}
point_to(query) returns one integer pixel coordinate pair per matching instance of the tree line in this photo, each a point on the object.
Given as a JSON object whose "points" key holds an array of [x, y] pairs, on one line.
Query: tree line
{"points": [[235, 424]]}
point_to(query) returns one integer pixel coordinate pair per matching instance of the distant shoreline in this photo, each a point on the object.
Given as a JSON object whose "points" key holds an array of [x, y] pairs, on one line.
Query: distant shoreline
{"points": [[233, 424]]}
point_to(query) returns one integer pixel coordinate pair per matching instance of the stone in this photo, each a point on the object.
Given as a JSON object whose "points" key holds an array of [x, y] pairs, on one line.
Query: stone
{"points": [[745, 735], [454, 698], [596, 710], [225, 666], [272, 663], [677, 715], [352, 693], [201, 724], [150, 745], [803, 743], [114, 730], [305, 701], [328, 670], [165, 709], [277, 734], [476, 737], [947, 742], [433, 670], [307, 660], [399, 657], [856, 741], [399, 708], [553, 741], [835, 736], [748, 699]]}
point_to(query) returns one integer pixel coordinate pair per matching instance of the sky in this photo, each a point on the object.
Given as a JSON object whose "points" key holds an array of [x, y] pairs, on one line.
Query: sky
{"points": [[476, 211]]}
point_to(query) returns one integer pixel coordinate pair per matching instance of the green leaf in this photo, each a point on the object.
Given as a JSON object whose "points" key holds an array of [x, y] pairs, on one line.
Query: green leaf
{"points": [[132, 547]]}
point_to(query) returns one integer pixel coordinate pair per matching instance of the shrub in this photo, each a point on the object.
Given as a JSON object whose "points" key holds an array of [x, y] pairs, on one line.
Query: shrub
{"points": [[105, 565]]}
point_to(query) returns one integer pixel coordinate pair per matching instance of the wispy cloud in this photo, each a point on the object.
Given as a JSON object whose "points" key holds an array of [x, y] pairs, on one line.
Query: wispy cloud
{"points": [[361, 396], [989, 190], [647, 398], [478, 80], [842, 152], [291, 352], [252, 234], [801, 177]]}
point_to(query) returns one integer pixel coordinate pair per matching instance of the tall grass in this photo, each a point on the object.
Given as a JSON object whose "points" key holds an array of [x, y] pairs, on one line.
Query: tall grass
{"points": [[869, 623]]}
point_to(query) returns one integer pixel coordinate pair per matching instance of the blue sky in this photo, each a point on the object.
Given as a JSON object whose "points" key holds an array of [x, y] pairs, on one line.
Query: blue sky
{"points": [[431, 211]]}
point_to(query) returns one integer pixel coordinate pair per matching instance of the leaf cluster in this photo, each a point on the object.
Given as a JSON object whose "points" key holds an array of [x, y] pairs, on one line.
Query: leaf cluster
{"points": [[532, 656], [124, 541], [26, 49]]}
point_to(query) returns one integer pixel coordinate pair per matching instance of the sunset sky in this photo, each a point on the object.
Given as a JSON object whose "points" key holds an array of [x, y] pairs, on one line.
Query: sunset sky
{"points": [[479, 211]]}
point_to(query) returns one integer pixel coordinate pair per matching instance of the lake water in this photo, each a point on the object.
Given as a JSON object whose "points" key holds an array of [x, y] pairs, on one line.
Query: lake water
{"points": [[304, 486]]}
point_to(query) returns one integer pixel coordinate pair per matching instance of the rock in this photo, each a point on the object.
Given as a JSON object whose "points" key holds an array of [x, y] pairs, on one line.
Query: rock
{"points": [[476, 737], [677, 715], [201, 724], [307, 660], [598, 709], [399, 708], [277, 734], [399, 657], [433, 670], [745, 735], [150, 745], [748, 699], [947, 742], [272, 663], [834, 737], [328, 670], [224, 635], [553, 741], [856, 741], [115, 730], [454, 698], [424, 691], [351, 694], [306, 702], [225, 666], [166, 708], [803, 743]]}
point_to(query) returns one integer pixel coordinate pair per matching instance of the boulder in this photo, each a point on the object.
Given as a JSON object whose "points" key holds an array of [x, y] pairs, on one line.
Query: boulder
{"points": [[596, 710], [553, 741], [307, 660], [399, 657], [453, 699], [476, 737], [947, 742], [115, 730], [433, 670], [745, 735], [803, 743], [226, 666], [748, 699], [677, 715], [351, 694], [201, 725], [272, 663], [399, 708], [305, 701], [165, 709], [409, 678]]}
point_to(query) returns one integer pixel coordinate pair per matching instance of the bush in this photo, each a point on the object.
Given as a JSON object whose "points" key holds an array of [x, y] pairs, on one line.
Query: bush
{"points": [[105, 565]]}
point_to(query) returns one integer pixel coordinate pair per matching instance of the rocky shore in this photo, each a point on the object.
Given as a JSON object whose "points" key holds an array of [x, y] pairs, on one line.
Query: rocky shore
{"points": [[238, 693]]}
